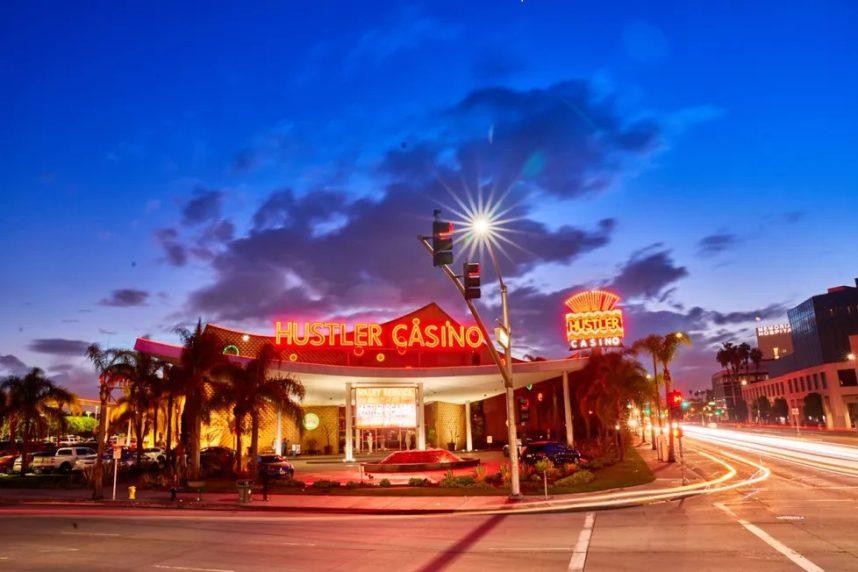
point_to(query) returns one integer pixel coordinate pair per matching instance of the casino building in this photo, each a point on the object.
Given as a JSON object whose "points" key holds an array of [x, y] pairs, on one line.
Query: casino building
{"points": [[420, 380]]}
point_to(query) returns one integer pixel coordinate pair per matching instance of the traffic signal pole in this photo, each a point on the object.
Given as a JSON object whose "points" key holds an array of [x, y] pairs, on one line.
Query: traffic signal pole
{"points": [[503, 364]]}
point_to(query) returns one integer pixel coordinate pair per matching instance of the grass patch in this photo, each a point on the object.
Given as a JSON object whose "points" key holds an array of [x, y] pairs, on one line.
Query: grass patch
{"points": [[630, 472]]}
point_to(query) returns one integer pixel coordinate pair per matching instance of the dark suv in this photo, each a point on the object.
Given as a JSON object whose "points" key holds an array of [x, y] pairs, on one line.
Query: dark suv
{"points": [[558, 453]]}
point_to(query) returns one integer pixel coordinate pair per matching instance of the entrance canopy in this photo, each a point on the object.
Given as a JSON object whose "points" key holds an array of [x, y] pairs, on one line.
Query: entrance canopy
{"points": [[456, 384]]}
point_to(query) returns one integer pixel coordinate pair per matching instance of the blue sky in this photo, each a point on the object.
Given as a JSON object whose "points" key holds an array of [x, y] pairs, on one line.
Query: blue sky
{"points": [[140, 143]]}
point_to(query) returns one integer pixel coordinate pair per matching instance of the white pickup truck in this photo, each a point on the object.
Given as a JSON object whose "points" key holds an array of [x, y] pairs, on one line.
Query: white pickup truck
{"points": [[63, 460]]}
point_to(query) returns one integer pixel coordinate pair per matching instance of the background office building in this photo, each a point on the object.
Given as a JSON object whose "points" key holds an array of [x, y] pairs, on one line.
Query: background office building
{"points": [[824, 332]]}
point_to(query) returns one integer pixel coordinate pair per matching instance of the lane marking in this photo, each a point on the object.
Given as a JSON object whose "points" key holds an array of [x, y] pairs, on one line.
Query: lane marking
{"points": [[579, 554], [89, 533], [797, 558], [164, 566]]}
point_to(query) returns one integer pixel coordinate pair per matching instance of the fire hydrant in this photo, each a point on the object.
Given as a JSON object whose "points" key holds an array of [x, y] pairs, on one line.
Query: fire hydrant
{"points": [[132, 493]]}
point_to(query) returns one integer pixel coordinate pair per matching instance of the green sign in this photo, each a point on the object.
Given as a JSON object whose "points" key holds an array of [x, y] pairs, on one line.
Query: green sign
{"points": [[311, 421]]}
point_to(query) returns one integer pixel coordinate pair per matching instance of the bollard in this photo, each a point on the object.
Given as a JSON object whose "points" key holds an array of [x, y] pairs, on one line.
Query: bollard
{"points": [[132, 493]]}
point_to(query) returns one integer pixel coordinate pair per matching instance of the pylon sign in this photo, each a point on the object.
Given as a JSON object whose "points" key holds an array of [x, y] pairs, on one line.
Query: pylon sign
{"points": [[594, 320]]}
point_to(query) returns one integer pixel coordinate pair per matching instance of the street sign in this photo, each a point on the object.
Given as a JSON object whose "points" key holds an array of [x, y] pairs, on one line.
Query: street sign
{"points": [[794, 411], [117, 453]]}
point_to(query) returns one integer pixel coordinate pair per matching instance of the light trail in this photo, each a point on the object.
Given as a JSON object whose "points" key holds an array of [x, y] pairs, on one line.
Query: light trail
{"points": [[836, 459]]}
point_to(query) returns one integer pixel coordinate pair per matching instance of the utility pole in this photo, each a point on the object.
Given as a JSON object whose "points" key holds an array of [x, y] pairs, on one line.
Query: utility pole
{"points": [[504, 364]]}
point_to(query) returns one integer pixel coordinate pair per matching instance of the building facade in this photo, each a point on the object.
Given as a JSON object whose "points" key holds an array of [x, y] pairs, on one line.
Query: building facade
{"points": [[824, 332]]}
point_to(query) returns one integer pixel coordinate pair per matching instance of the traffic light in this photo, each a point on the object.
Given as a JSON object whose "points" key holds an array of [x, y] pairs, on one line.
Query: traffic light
{"points": [[442, 242], [471, 278], [674, 404]]}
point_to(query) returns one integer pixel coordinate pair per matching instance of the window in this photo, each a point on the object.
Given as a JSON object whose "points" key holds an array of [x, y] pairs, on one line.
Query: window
{"points": [[64, 452], [847, 377], [801, 382], [824, 383], [815, 381]]}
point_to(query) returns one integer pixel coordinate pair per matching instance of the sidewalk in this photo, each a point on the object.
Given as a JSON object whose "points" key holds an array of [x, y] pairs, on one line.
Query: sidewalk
{"points": [[666, 476]]}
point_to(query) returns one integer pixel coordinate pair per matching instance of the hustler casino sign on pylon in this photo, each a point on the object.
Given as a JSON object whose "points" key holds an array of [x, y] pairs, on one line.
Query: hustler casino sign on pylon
{"points": [[594, 320]]}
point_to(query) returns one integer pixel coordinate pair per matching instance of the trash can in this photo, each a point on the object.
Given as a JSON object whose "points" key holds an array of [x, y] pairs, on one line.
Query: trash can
{"points": [[245, 489]]}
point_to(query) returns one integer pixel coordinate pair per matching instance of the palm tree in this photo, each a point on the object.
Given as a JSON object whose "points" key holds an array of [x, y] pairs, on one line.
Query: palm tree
{"points": [[104, 361], [252, 391], [35, 400], [651, 345], [203, 353], [614, 381], [140, 373], [669, 350]]}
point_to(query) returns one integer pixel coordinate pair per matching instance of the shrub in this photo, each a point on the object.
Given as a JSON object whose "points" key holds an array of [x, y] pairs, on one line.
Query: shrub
{"points": [[495, 479], [384, 483], [505, 471], [353, 484], [580, 477], [568, 469], [465, 481], [480, 474], [449, 480], [418, 482], [542, 465], [325, 484]]}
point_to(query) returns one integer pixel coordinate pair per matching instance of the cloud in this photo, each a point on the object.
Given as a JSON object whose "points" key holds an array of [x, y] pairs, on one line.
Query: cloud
{"points": [[793, 217], [13, 365], [82, 381], [647, 273], [717, 243], [126, 297], [176, 253], [204, 206], [321, 251], [408, 29], [59, 346]]}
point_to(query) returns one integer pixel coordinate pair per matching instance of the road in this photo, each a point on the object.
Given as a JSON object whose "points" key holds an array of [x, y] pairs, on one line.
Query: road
{"points": [[800, 518]]}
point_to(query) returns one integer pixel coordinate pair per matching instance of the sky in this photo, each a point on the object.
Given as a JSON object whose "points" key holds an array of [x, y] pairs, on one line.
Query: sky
{"points": [[238, 163]]}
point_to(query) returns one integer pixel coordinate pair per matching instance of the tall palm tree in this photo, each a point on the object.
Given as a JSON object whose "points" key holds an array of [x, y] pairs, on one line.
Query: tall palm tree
{"points": [[35, 401], [669, 350], [252, 391], [140, 373], [202, 354], [651, 345], [104, 361]]}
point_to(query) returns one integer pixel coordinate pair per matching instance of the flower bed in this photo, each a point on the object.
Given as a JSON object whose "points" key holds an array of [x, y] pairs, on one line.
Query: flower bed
{"points": [[428, 460]]}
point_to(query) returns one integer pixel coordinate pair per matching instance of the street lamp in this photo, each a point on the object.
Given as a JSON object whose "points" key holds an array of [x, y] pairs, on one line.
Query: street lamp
{"points": [[481, 226]]}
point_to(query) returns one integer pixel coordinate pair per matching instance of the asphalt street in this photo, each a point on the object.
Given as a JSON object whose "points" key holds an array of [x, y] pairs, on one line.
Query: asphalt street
{"points": [[800, 518]]}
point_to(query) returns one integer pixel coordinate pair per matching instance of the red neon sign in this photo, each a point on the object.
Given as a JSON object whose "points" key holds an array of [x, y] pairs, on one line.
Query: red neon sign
{"points": [[402, 336], [594, 320]]}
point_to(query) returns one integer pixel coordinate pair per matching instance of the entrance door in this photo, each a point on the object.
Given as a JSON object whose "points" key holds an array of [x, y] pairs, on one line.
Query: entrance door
{"points": [[852, 408]]}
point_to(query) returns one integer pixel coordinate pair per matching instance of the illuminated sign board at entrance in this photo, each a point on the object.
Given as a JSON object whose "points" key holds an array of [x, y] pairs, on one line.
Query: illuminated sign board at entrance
{"points": [[594, 320], [385, 407], [366, 335]]}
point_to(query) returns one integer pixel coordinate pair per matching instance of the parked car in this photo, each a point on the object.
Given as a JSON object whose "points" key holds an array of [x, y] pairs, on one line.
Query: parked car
{"points": [[521, 444], [7, 460], [155, 455], [275, 466], [16, 465], [558, 453], [62, 461], [216, 460], [127, 459]]}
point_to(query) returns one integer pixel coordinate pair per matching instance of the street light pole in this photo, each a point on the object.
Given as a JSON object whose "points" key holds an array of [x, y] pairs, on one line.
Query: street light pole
{"points": [[504, 365], [515, 485]]}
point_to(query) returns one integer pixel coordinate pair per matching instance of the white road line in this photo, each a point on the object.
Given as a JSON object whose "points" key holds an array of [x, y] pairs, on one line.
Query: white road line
{"points": [[797, 558], [189, 568], [579, 554], [89, 533]]}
